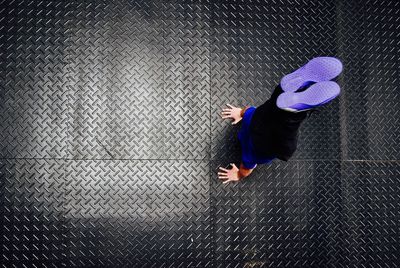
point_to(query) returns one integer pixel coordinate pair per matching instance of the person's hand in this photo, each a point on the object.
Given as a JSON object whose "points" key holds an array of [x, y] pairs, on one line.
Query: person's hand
{"points": [[229, 174], [233, 113]]}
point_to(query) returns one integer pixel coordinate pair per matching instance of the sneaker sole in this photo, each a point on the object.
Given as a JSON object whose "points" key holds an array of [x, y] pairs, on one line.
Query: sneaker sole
{"points": [[316, 70], [315, 96]]}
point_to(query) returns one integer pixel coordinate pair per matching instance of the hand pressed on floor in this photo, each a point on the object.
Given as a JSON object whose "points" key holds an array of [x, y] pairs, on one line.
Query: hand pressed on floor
{"points": [[233, 113], [229, 174]]}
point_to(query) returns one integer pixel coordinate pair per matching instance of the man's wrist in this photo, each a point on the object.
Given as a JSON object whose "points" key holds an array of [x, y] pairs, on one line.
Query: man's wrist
{"points": [[241, 175], [244, 172], [243, 111]]}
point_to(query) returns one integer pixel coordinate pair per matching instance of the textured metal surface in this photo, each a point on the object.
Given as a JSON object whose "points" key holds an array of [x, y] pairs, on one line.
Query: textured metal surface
{"points": [[371, 96], [371, 213], [116, 80], [256, 223], [137, 214], [32, 213], [33, 91], [110, 135]]}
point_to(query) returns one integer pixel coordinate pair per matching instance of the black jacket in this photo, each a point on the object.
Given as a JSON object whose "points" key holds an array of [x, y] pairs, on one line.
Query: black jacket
{"points": [[274, 131]]}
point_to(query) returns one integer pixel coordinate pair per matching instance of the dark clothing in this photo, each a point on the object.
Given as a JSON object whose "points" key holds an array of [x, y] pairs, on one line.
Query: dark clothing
{"points": [[249, 158], [274, 131]]}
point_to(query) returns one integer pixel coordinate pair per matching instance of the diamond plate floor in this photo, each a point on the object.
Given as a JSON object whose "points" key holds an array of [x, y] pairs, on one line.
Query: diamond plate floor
{"points": [[110, 135]]}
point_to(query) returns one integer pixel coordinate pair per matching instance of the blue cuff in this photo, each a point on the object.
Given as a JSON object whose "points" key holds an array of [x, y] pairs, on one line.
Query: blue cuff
{"points": [[249, 165]]}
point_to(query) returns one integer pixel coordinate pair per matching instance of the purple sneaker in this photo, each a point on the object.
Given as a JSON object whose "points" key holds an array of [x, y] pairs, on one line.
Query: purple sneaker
{"points": [[316, 95], [316, 70]]}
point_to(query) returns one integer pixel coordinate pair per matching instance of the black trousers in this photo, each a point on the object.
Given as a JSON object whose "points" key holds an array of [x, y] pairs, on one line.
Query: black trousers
{"points": [[275, 131]]}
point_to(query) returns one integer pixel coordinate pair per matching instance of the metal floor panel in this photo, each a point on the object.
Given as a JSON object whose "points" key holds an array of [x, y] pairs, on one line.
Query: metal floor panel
{"points": [[111, 137], [116, 80]]}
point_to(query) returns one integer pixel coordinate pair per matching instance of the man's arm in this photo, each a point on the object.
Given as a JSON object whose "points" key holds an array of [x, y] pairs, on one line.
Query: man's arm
{"points": [[234, 174], [234, 113], [244, 172], [243, 110]]}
